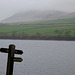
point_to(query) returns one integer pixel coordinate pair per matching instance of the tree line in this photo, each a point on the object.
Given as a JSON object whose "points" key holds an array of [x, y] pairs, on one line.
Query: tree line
{"points": [[37, 36]]}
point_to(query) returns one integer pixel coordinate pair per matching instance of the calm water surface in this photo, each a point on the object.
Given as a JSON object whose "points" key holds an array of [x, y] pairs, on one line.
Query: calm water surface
{"points": [[41, 57]]}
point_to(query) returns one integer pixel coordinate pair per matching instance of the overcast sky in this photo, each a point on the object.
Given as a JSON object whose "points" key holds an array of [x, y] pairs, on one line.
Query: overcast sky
{"points": [[9, 7]]}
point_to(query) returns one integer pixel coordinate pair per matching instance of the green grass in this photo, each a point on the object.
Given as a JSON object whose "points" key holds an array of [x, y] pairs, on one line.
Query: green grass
{"points": [[62, 21], [42, 28]]}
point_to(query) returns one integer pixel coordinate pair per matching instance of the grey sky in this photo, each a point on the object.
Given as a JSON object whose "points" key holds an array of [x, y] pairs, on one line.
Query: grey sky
{"points": [[9, 7]]}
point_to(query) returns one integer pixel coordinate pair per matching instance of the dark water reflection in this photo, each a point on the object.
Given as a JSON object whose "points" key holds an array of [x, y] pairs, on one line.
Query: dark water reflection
{"points": [[41, 57]]}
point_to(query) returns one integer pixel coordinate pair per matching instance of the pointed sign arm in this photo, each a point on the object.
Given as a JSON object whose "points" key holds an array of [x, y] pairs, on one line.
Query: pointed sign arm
{"points": [[18, 59], [6, 50]]}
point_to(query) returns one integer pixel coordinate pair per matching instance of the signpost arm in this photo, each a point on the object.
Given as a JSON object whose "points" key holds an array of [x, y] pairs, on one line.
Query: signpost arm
{"points": [[10, 62]]}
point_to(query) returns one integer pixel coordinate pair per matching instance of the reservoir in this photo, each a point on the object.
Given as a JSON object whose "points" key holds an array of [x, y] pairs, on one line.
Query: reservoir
{"points": [[41, 57]]}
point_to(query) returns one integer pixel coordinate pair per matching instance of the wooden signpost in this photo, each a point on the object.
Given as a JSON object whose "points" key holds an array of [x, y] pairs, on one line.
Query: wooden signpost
{"points": [[11, 59]]}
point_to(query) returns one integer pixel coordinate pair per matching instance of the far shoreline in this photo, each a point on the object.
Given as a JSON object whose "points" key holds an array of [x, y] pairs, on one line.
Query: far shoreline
{"points": [[50, 39]]}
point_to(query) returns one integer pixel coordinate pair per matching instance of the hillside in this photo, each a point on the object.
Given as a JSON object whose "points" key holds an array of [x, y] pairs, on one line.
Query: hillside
{"points": [[3, 24], [65, 16], [63, 29], [29, 16]]}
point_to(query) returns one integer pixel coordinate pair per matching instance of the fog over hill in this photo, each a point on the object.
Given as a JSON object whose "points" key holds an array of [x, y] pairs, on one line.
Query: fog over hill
{"points": [[29, 16]]}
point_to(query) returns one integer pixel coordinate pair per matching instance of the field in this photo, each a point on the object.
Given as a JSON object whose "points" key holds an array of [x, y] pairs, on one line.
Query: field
{"points": [[61, 21], [61, 28]]}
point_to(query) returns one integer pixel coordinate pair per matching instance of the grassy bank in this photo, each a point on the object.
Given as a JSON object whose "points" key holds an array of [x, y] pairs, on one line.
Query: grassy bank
{"points": [[39, 30]]}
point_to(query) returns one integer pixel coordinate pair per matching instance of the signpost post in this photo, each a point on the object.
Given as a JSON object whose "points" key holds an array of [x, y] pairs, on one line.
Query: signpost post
{"points": [[11, 59]]}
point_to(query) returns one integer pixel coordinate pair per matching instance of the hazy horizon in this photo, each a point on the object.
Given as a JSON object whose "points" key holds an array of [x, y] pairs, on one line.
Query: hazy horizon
{"points": [[10, 7]]}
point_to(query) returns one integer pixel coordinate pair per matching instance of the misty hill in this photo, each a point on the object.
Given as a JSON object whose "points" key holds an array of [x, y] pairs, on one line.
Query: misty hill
{"points": [[3, 24], [30, 16], [64, 16]]}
